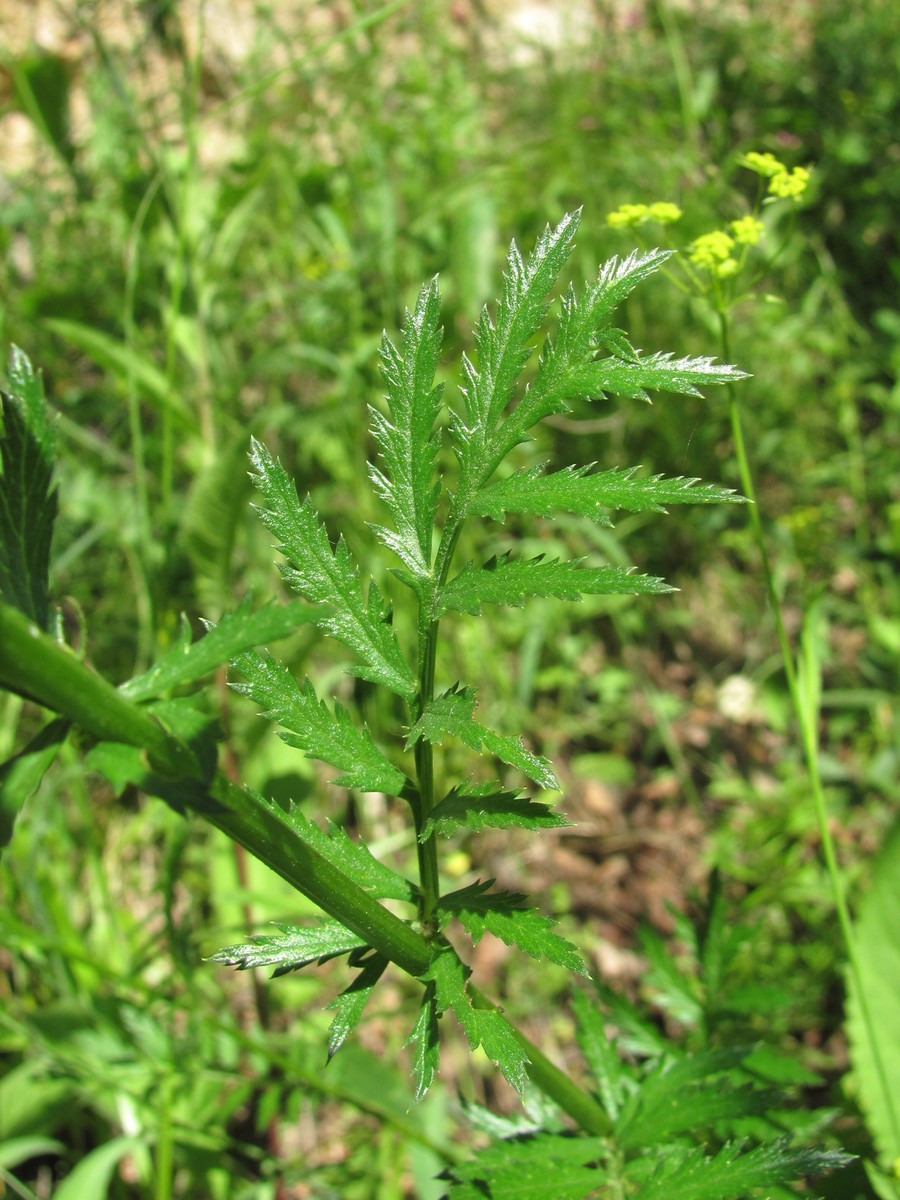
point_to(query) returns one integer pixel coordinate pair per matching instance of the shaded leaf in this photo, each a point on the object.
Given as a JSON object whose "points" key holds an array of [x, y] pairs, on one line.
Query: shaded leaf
{"points": [[506, 916], [505, 580], [599, 1052], [543, 1167], [186, 661], [351, 1003], [21, 775], [330, 577], [408, 441], [293, 947], [480, 805], [426, 1041], [313, 728], [450, 714], [28, 501]]}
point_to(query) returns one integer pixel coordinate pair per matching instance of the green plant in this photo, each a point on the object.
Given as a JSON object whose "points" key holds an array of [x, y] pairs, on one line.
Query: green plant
{"points": [[677, 1123]]}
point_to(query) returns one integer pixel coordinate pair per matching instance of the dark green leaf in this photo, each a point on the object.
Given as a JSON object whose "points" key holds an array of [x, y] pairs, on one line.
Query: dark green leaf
{"points": [[28, 502], [506, 916], [312, 728], [327, 576], [450, 714], [731, 1174], [293, 947], [187, 661], [510, 581], [575, 490], [351, 1003], [426, 1040], [408, 441], [599, 1052], [475, 806]]}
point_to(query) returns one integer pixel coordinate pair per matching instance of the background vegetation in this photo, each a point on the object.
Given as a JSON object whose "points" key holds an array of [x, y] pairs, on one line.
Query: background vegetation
{"points": [[207, 219]]}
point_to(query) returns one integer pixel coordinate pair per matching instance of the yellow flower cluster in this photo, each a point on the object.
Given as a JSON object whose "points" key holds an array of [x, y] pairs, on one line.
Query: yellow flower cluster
{"points": [[712, 252], [747, 231], [627, 216], [783, 184]]}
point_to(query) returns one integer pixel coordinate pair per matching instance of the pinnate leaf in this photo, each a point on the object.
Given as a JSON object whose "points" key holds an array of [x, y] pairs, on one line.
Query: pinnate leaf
{"points": [[730, 1174], [355, 859], [659, 372], [544, 1167], [482, 1026], [293, 947], [475, 806], [309, 725], [506, 580], [187, 661], [408, 441], [329, 576], [28, 501], [506, 916], [451, 714], [577, 490]]}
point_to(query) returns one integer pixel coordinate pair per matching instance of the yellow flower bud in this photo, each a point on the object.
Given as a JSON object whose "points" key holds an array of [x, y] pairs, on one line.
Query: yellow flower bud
{"points": [[748, 231], [789, 186], [762, 164]]}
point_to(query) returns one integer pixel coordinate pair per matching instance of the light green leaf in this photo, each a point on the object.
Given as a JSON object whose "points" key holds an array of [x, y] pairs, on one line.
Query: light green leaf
{"points": [[351, 1003], [353, 858], [575, 490], [451, 714], [878, 954], [312, 728], [480, 805], [327, 576], [90, 1179], [408, 441], [599, 1052], [28, 502], [730, 1175], [481, 1026], [658, 372], [21, 776], [187, 661], [426, 1040], [124, 363], [505, 580], [21, 1149], [506, 916], [293, 947], [503, 345]]}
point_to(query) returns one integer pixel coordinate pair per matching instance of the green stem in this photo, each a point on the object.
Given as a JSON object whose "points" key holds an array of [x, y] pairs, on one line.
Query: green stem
{"points": [[581, 1107], [429, 877], [806, 716]]}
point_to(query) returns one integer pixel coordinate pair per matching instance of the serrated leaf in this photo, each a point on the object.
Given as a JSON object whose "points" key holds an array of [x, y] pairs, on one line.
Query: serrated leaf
{"points": [[329, 576], [657, 372], [426, 1041], [477, 806], [481, 1026], [187, 661], [408, 441], [353, 858], [543, 1167], [575, 490], [309, 725], [451, 714], [28, 501], [731, 1174], [351, 1003], [505, 580], [293, 947], [506, 916], [503, 344]]}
